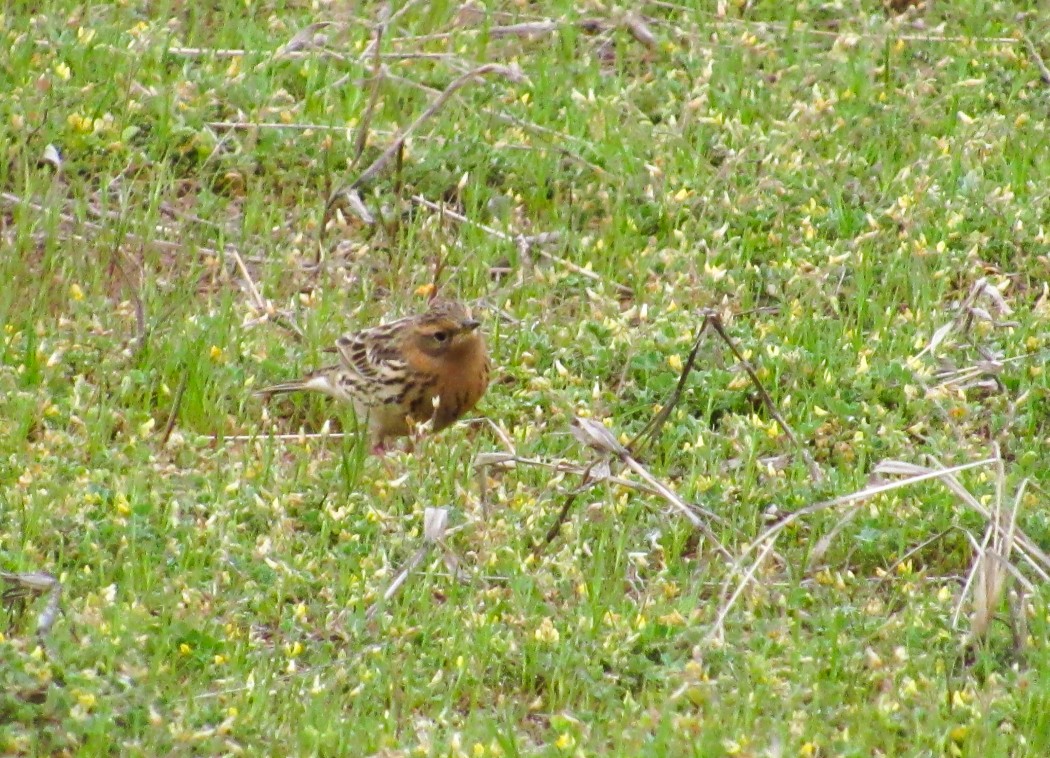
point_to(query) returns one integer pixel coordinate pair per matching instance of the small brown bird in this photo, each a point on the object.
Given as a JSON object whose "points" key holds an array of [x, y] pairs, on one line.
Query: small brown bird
{"points": [[421, 368]]}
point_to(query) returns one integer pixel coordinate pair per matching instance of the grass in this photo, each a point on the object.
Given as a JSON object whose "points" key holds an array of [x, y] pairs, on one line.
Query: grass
{"points": [[833, 180]]}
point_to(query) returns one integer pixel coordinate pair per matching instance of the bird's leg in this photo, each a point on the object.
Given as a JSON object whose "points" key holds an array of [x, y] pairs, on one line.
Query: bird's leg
{"points": [[418, 431]]}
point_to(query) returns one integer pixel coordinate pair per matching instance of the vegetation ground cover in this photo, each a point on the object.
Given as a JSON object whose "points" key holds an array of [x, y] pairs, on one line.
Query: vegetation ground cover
{"points": [[197, 199]]}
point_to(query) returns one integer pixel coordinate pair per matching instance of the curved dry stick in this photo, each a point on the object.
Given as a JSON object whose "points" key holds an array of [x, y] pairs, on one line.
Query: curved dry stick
{"points": [[814, 470], [514, 74], [770, 534], [377, 79]]}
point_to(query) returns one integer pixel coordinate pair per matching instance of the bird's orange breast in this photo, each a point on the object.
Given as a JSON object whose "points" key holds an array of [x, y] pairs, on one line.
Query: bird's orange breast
{"points": [[462, 378]]}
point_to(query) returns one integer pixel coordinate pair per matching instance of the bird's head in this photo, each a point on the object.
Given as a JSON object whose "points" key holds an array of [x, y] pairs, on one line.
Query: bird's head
{"points": [[447, 329]]}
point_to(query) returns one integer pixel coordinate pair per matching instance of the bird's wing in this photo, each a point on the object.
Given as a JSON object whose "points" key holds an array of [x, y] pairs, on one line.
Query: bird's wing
{"points": [[375, 368]]}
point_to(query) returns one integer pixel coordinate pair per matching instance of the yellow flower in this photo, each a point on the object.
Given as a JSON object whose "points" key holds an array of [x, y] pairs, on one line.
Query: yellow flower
{"points": [[565, 741], [672, 619], [546, 632], [79, 123]]}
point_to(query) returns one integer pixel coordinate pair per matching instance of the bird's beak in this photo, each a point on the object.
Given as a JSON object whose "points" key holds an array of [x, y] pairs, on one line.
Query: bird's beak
{"points": [[470, 325]]}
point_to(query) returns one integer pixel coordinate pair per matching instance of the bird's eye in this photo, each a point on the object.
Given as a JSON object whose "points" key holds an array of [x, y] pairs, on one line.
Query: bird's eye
{"points": [[441, 336]]}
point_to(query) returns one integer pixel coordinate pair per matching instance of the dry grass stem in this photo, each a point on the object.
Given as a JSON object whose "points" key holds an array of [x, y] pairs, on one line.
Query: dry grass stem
{"points": [[377, 79], [510, 73], [176, 403], [1037, 59], [714, 321], [596, 436], [769, 536], [435, 524], [526, 244]]}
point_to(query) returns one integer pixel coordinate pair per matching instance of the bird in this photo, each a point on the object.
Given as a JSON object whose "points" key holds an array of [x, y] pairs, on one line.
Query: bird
{"points": [[432, 366]]}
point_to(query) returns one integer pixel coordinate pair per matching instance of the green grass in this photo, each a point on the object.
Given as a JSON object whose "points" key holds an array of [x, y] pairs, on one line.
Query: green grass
{"points": [[831, 178]]}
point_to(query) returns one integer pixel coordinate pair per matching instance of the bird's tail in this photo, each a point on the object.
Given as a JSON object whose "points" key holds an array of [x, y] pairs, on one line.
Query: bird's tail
{"points": [[280, 389], [316, 381]]}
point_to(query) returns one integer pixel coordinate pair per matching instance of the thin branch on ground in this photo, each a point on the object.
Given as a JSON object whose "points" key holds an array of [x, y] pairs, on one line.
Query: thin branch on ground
{"points": [[263, 306], [389, 21], [552, 137], [596, 436], [770, 535], [303, 40], [1037, 59], [1025, 547], [718, 626], [555, 139], [570, 498], [525, 243], [435, 525], [377, 80], [566, 467], [814, 470], [652, 429], [714, 321], [508, 460], [399, 579], [512, 73], [539, 28], [176, 403]]}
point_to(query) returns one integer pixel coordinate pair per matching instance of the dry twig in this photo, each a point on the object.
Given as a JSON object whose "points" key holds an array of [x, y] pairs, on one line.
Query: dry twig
{"points": [[512, 73], [175, 405], [596, 436], [377, 80], [916, 475], [1033, 52], [526, 244], [714, 321], [435, 525]]}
